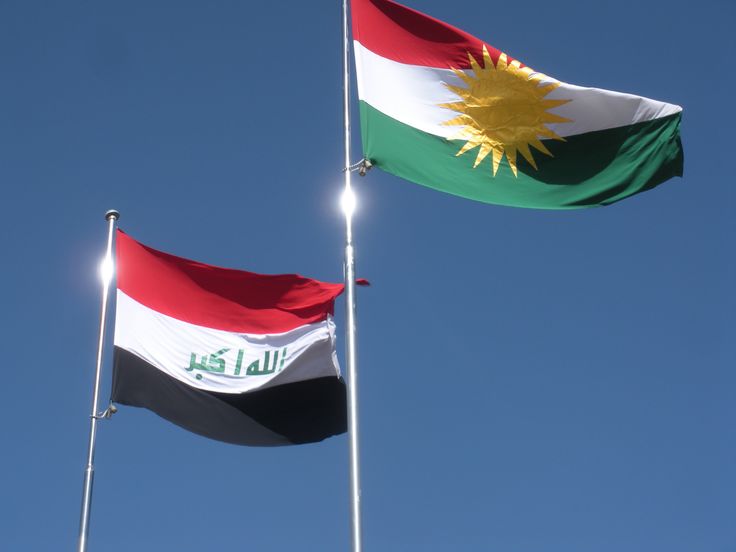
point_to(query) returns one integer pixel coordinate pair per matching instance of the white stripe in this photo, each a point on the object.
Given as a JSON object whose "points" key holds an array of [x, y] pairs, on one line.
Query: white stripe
{"points": [[411, 94], [167, 344]]}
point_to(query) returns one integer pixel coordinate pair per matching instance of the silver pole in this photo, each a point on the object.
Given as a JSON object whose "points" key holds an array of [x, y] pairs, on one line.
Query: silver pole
{"points": [[352, 367], [106, 272]]}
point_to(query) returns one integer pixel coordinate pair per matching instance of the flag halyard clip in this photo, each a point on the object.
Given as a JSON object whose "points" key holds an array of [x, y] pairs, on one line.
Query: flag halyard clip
{"points": [[362, 166], [107, 413]]}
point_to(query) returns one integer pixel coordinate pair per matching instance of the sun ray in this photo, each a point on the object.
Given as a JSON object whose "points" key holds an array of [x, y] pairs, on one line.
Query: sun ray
{"points": [[503, 110], [497, 155], [549, 104], [511, 156], [487, 61], [474, 65], [552, 135], [459, 120], [527, 154], [463, 76], [553, 118], [485, 149], [469, 145], [547, 88], [540, 146]]}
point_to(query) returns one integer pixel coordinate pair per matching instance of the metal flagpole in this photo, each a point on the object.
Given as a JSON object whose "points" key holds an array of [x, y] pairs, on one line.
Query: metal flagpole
{"points": [[106, 272], [348, 205]]}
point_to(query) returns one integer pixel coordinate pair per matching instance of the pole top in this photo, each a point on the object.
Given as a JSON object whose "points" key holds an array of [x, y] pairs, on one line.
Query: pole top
{"points": [[112, 214]]}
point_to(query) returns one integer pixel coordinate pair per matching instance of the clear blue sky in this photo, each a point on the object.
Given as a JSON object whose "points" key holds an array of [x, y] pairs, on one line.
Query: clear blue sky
{"points": [[530, 380]]}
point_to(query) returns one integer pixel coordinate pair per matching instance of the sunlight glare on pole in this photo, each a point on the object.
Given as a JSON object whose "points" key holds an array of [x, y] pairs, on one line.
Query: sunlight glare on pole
{"points": [[348, 202], [107, 269]]}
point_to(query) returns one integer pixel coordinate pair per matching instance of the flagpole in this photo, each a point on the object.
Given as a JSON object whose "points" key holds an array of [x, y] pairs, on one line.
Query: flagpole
{"points": [[348, 205], [106, 272]]}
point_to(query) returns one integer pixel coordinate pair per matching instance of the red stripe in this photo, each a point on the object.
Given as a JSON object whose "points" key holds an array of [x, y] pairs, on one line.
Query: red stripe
{"points": [[220, 298], [405, 35]]}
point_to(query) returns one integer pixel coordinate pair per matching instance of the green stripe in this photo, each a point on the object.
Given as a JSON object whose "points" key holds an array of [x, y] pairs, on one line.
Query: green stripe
{"points": [[586, 170]]}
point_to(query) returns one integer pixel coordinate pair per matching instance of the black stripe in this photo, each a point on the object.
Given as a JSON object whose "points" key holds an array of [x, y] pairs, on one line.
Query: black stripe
{"points": [[292, 413]]}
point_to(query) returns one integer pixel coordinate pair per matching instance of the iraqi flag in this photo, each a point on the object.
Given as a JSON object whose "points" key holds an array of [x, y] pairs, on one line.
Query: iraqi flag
{"points": [[446, 110], [235, 356]]}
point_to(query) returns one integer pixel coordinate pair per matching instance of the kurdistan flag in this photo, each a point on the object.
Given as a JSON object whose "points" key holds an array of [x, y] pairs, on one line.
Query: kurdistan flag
{"points": [[235, 356], [443, 109]]}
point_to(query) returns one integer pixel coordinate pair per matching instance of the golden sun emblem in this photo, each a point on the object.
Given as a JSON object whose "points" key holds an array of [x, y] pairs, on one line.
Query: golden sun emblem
{"points": [[503, 110]]}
